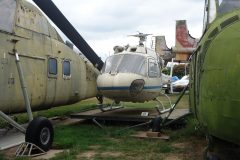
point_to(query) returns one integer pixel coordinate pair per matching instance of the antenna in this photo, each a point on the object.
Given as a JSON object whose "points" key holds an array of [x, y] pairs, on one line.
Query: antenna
{"points": [[142, 37]]}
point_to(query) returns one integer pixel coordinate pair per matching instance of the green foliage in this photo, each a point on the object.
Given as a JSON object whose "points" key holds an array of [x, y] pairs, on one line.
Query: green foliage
{"points": [[179, 70], [166, 71]]}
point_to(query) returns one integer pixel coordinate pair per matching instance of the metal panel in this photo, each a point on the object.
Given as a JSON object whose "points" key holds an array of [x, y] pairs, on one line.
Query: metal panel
{"points": [[49, 8], [7, 13]]}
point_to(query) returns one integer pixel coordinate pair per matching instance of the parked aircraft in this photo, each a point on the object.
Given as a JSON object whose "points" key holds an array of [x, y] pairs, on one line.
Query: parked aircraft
{"points": [[132, 74], [38, 70], [214, 85]]}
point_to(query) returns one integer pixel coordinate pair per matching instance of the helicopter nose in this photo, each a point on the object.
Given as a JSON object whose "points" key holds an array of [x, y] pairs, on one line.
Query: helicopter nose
{"points": [[136, 86]]}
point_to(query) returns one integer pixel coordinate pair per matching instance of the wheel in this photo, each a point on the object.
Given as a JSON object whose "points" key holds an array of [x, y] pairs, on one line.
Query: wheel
{"points": [[40, 132], [156, 124]]}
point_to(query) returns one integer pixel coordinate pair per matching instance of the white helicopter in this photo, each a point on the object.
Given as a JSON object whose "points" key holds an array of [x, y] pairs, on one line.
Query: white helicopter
{"points": [[132, 74]]}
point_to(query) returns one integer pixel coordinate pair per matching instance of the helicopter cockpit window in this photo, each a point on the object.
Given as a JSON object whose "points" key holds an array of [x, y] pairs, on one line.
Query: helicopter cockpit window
{"points": [[153, 70], [228, 5], [125, 63], [7, 14], [52, 66], [66, 69]]}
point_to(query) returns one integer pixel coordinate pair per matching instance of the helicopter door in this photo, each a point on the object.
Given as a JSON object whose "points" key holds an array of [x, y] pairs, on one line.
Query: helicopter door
{"points": [[153, 69], [52, 73], [153, 73], [36, 80]]}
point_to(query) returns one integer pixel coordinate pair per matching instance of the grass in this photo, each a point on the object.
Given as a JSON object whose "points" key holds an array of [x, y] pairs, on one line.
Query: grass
{"points": [[110, 144], [107, 140], [89, 138]]}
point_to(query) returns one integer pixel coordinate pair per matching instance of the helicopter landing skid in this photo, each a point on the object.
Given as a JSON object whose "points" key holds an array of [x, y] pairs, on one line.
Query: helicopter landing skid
{"points": [[113, 106], [161, 108]]}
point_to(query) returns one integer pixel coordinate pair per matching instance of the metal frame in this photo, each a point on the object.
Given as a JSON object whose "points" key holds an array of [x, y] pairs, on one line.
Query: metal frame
{"points": [[163, 110], [28, 149], [173, 107]]}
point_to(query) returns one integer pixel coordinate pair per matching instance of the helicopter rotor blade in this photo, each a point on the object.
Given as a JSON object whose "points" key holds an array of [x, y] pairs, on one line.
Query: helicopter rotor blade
{"points": [[51, 10], [140, 35]]}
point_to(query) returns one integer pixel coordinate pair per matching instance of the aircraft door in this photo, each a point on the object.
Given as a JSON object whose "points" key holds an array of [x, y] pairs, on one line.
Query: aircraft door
{"points": [[154, 79], [153, 69], [36, 82], [52, 71]]}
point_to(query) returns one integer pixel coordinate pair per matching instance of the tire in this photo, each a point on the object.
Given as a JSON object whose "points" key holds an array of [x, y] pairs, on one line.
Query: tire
{"points": [[156, 124], [40, 132]]}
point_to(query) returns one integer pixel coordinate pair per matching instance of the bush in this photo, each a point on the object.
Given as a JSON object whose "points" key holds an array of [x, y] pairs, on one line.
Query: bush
{"points": [[179, 70], [166, 71]]}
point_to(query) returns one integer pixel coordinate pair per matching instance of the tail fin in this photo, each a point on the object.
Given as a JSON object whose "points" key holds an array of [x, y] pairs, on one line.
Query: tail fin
{"points": [[185, 44], [161, 47], [183, 38]]}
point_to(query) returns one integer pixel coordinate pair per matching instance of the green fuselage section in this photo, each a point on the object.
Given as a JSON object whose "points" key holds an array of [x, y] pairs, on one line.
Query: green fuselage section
{"points": [[214, 82]]}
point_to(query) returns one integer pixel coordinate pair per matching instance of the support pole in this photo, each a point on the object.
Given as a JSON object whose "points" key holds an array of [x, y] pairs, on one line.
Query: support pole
{"points": [[24, 88], [171, 73], [12, 122]]}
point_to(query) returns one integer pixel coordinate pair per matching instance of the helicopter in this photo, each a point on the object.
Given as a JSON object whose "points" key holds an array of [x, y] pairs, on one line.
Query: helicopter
{"points": [[38, 69], [214, 72], [132, 74]]}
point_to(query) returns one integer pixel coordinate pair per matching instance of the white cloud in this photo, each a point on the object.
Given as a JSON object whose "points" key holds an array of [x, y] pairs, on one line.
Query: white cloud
{"points": [[106, 23]]}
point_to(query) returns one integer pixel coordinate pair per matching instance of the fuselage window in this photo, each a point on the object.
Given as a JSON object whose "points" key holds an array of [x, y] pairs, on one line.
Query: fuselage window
{"points": [[7, 13], [66, 68], [52, 66], [153, 70]]}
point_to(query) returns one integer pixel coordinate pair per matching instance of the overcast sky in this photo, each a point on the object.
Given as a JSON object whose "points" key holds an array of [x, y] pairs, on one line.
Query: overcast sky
{"points": [[106, 23]]}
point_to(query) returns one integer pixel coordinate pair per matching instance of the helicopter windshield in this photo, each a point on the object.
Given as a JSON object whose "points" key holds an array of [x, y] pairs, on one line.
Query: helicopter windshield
{"points": [[7, 14], [125, 63], [228, 5]]}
